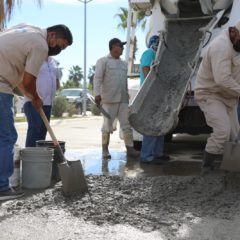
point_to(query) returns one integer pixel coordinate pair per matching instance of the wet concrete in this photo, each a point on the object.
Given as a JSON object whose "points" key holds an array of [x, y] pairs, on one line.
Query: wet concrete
{"points": [[161, 207], [130, 201], [155, 109]]}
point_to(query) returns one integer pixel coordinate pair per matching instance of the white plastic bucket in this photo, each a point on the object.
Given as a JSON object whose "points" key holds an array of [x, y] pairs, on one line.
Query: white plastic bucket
{"points": [[14, 180], [36, 167]]}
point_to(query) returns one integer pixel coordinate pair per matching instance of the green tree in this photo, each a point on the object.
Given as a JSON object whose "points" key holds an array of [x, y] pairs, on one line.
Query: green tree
{"points": [[6, 9], [123, 17], [91, 74], [75, 76], [70, 84]]}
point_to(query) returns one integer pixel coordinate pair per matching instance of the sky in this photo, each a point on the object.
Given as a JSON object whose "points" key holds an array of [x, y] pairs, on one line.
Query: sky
{"points": [[101, 27]]}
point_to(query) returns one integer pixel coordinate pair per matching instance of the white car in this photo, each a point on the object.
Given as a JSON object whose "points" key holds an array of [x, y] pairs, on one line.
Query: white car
{"points": [[75, 96]]}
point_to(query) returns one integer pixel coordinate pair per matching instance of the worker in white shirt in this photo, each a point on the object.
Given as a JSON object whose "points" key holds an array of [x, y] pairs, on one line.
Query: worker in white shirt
{"points": [[217, 92], [47, 84]]}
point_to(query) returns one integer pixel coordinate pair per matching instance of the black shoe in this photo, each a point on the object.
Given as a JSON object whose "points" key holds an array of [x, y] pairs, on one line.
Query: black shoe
{"points": [[166, 157], [146, 162], [10, 194], [161, 160], [207, 170]]}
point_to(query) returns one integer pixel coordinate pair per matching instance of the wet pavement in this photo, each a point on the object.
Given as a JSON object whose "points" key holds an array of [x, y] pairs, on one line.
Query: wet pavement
{"points": [[121, 165], [185, 153], [83, 141]]}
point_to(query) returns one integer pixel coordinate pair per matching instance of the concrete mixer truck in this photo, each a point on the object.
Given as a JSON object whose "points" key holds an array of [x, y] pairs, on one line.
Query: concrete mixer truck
{"points": [[165, 103]]}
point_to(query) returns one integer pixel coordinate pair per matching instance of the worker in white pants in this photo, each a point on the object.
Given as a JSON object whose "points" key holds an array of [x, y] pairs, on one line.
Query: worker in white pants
{"points": [[111, 90], [120, 112], [217, 92], [224, 122]]}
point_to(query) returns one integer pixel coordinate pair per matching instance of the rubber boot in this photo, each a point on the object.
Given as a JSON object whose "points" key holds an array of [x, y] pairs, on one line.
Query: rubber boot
{"points": [[208, 162], [105, 143], [128, 140]]}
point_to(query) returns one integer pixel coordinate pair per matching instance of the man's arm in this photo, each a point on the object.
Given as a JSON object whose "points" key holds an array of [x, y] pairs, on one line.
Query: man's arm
{"points": [[23, 91], [98, 79], [221, 61], [29, 88], [146, 62], [146, 70]]}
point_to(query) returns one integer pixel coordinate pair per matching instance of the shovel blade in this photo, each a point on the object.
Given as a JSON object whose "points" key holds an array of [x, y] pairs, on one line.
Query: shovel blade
{"points": [[231, 157], [73, 179]]}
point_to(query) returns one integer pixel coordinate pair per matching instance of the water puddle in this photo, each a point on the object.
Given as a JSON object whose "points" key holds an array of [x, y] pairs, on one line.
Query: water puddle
{"points": [[119, 164], [93, 163]]}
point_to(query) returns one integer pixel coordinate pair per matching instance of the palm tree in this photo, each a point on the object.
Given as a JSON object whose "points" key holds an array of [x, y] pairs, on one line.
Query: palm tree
{"points": [[76, 75], [123, 17], [6, 8]]}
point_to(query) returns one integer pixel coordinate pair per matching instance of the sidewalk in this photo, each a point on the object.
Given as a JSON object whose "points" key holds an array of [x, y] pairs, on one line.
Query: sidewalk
{"points": [[78, 133]]}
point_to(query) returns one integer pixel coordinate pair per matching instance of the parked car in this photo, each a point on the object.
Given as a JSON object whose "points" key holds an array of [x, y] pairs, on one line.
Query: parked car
{"points": [[75, 96]]}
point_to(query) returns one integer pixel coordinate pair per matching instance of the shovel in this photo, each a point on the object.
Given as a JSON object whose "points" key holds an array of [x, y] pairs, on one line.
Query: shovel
{"points": [[101, 109], [231, 155], [71, 172]]}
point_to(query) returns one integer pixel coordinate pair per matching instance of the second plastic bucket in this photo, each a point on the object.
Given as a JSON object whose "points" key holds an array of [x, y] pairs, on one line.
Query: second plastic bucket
{"points": [[50, 144], [36, 167]]}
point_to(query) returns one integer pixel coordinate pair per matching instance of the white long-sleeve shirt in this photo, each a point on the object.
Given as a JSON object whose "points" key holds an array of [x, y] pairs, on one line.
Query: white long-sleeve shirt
{"points": [[110, 80], [46, 81], [219, 72]]}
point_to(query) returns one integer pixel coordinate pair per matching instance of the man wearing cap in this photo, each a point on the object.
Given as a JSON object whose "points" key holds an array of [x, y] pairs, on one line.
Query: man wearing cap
{"points": [[217, 92], [23, 50], [152, 147], [111, 91]]}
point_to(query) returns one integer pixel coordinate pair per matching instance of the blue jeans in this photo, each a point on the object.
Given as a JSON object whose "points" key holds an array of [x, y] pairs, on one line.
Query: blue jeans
{"points": [[8, 137], [152, 147], [36, 128]]}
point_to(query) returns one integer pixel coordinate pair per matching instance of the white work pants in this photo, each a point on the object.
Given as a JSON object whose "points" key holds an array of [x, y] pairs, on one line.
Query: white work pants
{"points": [[118, 111], [224, 122]]}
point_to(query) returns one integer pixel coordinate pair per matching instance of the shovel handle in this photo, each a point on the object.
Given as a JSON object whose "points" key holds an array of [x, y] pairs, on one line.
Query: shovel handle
{"points": [[50, 131], [45, 120]]}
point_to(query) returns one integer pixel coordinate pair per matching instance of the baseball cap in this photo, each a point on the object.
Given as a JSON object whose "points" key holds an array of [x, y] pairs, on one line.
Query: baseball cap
{"points": [[115, 41]]}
